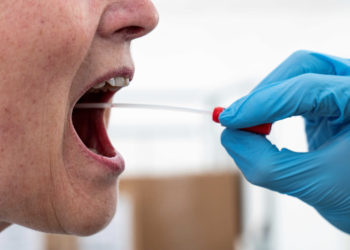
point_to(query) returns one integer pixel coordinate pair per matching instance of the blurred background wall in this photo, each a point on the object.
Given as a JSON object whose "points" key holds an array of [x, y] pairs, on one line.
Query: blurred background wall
{"points": [[207, 53]]}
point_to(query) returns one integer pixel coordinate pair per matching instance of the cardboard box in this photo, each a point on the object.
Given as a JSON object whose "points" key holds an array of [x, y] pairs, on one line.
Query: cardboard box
{"points": [[195, 212]]}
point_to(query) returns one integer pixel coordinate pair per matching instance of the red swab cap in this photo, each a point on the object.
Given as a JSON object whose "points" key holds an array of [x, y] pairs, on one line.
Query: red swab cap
{"points": [[263, 129], [216, 113]]}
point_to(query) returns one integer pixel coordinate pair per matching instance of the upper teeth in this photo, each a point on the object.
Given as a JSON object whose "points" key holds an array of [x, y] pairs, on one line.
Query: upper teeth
{"points": [[113, 83]]}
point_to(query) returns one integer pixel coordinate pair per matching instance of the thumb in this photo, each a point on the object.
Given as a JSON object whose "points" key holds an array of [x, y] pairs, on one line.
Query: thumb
{"points": [[263, 164]]}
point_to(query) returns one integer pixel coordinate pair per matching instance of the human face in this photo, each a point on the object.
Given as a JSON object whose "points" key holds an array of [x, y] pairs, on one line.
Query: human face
{"points": [[51, 53]]}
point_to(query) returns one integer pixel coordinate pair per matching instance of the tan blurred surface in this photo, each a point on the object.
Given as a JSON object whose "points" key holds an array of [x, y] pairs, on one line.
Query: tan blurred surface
{"points": [[61, 242], [199, 212]]}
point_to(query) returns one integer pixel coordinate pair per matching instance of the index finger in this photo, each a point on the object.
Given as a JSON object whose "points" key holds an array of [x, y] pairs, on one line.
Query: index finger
{"points": [[309, 95], [302, 62]]}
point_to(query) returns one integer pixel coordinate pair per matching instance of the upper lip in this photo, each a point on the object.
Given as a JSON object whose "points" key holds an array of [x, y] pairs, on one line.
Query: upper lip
{"points": [[126, 72]]}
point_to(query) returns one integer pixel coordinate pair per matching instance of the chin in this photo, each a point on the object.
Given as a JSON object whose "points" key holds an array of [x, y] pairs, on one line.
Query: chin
{"points": [[87, 221], [91, 225], [82, 206]]}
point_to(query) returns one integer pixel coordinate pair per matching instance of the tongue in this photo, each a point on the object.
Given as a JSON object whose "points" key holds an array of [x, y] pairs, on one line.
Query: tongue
{"points": [[91, 129]]}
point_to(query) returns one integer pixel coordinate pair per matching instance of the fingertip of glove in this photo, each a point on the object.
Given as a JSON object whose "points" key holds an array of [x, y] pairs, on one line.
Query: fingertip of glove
{"points": [[227, 117]]}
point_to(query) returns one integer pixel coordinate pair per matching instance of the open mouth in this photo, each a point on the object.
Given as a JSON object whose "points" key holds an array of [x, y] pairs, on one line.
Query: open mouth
{"points": [[90, 123]]}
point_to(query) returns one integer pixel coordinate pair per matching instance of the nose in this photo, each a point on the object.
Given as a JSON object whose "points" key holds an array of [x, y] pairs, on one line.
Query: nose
{"points": [[128, 19]]}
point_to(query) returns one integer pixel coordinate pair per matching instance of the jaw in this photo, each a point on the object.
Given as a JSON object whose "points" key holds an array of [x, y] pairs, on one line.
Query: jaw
{"points": [[53, 185], [83, 199], [85, 192], [62, 189], [81, 209]]}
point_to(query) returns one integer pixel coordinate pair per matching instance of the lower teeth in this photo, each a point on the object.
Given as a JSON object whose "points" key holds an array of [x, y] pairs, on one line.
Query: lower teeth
{"points": [[93, 150]]}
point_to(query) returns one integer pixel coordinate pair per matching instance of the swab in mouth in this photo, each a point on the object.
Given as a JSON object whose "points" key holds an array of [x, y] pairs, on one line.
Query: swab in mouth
{"points": [[140, 106], [263, 129]]}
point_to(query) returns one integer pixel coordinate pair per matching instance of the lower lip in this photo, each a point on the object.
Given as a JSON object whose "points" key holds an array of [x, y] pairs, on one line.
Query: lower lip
{"points": [[114, 164]]}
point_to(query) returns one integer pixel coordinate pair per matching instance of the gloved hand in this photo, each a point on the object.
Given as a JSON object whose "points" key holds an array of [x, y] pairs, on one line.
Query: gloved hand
{"points": [[316, 87]]}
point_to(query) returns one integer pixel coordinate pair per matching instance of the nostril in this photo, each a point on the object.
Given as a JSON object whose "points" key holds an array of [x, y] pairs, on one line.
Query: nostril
{"points": [[131, 31], [128, 19]]}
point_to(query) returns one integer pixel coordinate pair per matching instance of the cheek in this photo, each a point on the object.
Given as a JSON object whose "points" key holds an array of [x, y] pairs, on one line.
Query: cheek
{"points": [[43, 43], [47, 38], [42, 46]]}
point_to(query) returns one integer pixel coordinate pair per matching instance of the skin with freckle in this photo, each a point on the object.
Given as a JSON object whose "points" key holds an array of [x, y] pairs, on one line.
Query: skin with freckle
{"points": [[50, 50]]}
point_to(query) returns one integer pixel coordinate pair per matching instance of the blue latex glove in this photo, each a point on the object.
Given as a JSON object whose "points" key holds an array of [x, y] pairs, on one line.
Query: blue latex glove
{"points": [[316, 87]]}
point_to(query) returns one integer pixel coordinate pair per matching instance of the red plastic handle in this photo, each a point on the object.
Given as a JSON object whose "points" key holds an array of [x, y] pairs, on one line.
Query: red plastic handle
{"points": [[263, 129]]}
